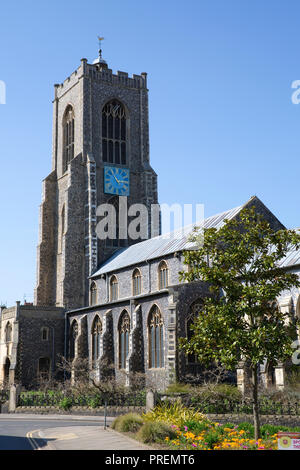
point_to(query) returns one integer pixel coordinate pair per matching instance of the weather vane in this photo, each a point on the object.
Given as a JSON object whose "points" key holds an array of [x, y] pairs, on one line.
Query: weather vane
{"points": [[100, 46]]}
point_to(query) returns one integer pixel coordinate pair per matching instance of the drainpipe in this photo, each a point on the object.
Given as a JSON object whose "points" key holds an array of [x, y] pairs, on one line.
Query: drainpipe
{"points": [[65, 345], [53, 338]]}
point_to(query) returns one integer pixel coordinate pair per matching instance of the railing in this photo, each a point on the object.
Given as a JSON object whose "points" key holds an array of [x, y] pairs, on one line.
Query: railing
{"points": [[53, 398], [228, 406]]}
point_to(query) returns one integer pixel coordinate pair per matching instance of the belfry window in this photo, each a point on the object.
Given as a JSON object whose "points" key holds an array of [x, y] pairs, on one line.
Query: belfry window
{"points": [[114, 133], [124, 328], [68, 137], [116, 241], [96, 337], [156, 338]]}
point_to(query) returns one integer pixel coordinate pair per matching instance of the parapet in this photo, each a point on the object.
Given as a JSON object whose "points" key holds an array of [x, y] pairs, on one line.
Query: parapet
{"points": [[102, 75]]}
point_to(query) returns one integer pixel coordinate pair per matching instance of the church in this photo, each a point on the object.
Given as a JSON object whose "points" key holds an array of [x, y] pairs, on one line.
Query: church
{"points": [[115, 300]]}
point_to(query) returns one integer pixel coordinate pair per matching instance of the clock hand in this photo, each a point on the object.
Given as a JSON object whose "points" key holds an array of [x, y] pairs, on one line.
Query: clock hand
{"points": [[116, 179]]}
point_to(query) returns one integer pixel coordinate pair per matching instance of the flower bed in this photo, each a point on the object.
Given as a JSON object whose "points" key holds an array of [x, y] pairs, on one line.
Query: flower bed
{"points": [[177, 427], [218, 437]]}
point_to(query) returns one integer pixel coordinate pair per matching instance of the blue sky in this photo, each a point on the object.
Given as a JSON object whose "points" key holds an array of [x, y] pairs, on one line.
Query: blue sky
{"points": [[222, 123]]}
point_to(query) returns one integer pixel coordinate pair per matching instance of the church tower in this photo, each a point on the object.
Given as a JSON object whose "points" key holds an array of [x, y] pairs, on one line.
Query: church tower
{"points": [[100, 131]]}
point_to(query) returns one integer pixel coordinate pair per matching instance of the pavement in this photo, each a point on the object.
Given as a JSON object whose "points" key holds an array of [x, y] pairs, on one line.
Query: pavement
{"points": [[75, 437], [83, 438]]}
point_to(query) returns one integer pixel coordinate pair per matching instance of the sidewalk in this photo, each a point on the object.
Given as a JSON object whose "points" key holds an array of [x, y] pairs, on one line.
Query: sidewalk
{"points": [[85, 438]]}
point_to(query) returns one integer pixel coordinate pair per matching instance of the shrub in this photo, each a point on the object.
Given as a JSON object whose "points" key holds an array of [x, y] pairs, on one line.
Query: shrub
{"points": [[178, 388], [155, 432], [174, 414], [130, 422], [65, 403], [197, 427]]}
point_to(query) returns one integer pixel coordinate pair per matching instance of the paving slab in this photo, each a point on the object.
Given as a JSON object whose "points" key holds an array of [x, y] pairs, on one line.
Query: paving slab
{"points": [[86, 438]]}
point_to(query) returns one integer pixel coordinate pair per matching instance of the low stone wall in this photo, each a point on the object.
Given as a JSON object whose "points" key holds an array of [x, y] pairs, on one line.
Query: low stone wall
{"points": [[280, 420], [283, 420], [81, 410]]}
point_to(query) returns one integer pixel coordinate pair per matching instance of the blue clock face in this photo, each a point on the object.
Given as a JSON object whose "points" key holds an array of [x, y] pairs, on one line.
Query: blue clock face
{"points": [[116, 180]]}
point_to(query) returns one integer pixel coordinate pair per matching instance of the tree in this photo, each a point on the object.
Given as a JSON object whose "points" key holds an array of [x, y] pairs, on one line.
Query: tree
{"points": [[241, 318]]}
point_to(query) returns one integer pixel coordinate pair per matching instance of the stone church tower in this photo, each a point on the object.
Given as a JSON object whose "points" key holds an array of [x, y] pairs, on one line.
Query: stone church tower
{"points": [[100, 124]]}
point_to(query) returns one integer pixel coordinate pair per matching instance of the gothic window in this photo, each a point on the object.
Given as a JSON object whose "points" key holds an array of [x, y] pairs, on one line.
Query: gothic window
{"points": [[163, 275], [114, 287], [124, 328], [45, 333], [8, 333], [73, 336], [96, 337], [136, 282], [44, 368], [116, 241], [193, 312], [156, 338], [6, 371], [114, 133], [68, 137], [93, 291]]}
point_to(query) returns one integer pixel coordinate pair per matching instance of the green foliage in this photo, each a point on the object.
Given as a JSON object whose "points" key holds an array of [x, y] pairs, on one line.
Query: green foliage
{"points": [[94, 401], [244, 264], [215, 393], [267, 430], [174, 413], [197, 426], [130, 422], [83, 398], [152, 432], [178, 388], [65, 403]]}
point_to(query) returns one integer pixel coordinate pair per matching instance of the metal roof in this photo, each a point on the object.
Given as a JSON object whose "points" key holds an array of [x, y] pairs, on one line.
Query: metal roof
{"points": [[292, 258], [162, 245]]}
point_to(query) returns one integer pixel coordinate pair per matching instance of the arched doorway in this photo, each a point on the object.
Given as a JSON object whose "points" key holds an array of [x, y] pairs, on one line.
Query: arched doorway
{"points": [[270, 376]]}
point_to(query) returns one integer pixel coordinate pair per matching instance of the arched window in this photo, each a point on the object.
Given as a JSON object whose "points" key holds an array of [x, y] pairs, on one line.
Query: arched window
{"points": [[114, 288], [124, 328], [194, 310], [163, 275], [136, 282], [45, 333], [116, 241], [93, 291], [6, 371], [73, 336], [156, 338], [8, 332], [68, 137], [96, 337], [114, 133]]}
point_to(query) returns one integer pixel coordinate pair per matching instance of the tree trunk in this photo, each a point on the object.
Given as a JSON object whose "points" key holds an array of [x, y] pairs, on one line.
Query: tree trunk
{"points": [[256, 420]]}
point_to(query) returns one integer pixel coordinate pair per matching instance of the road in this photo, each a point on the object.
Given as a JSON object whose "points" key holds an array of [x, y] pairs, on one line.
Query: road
{"points": [[15, 430]]}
